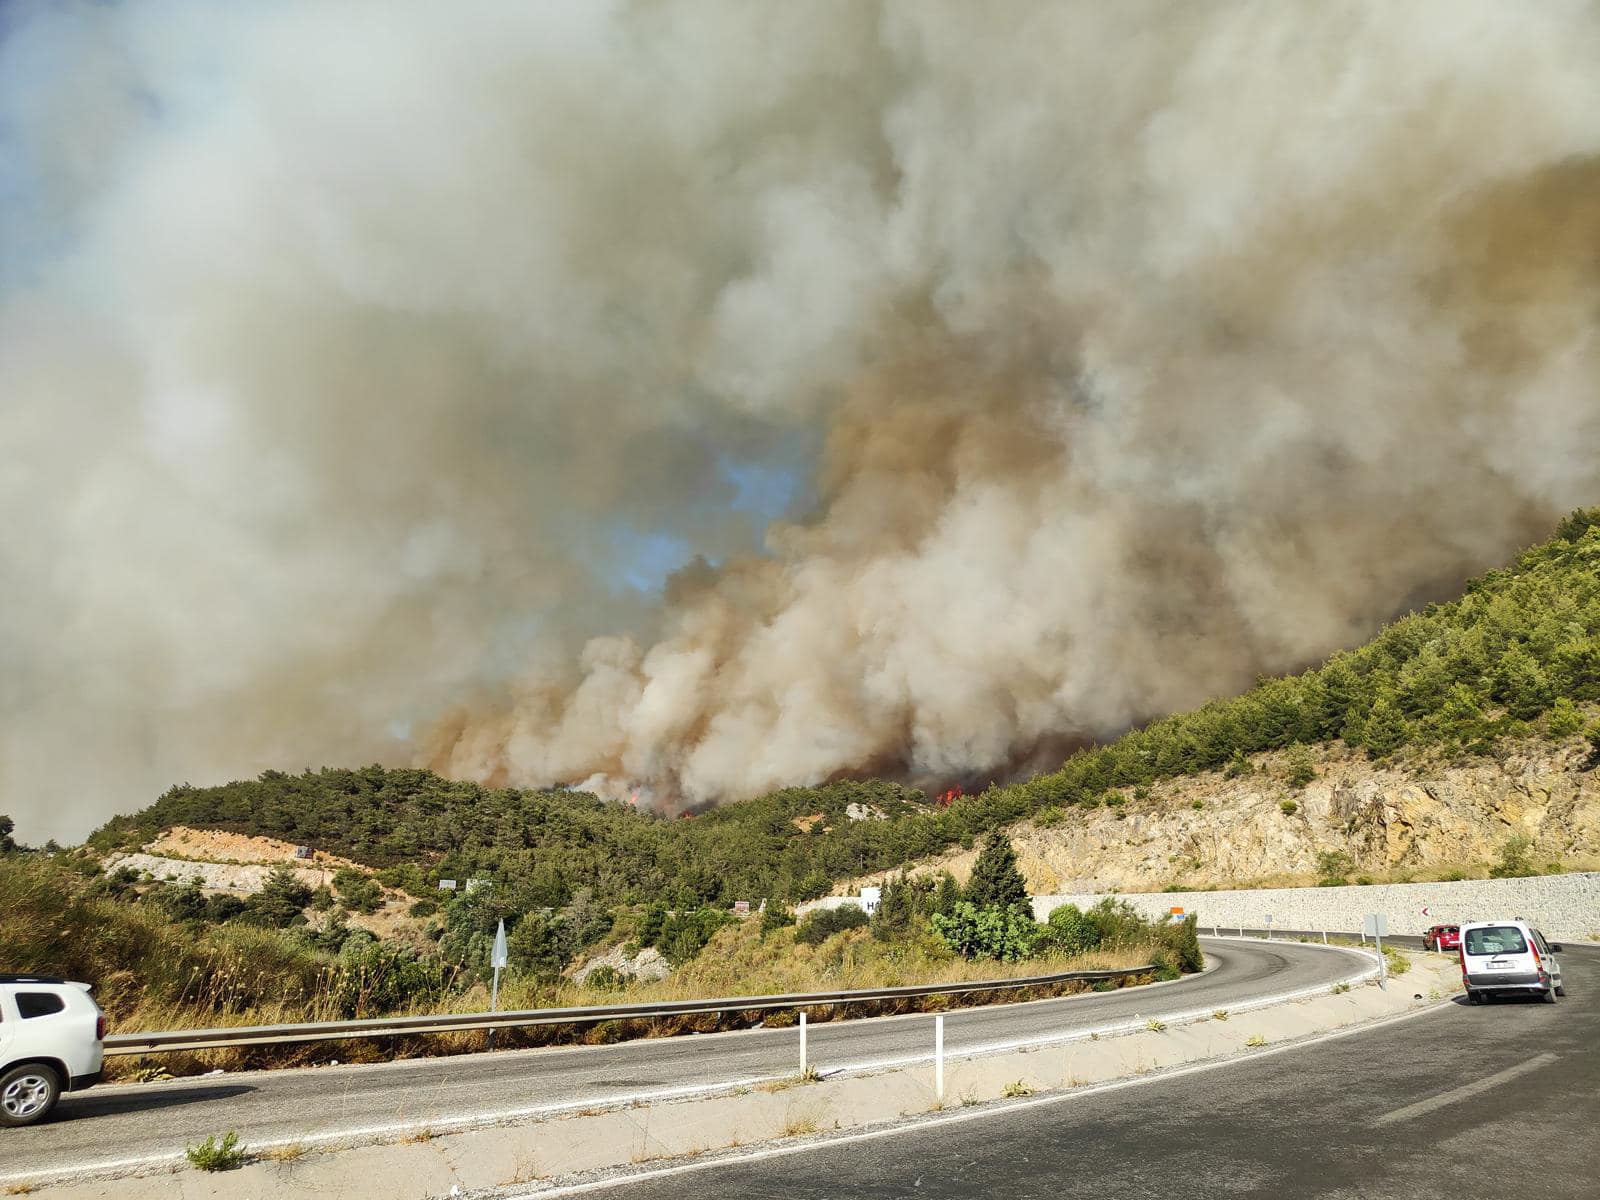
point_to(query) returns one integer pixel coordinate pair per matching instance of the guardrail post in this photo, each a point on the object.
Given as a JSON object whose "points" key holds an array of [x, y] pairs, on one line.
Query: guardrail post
{"points": [[1324, 937], [938, 1057], [802, 1042]]}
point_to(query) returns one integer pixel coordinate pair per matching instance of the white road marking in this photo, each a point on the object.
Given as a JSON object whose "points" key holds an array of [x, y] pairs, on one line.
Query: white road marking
{"points": [[336, 1137], [1465, 1091], [957, 1118]]}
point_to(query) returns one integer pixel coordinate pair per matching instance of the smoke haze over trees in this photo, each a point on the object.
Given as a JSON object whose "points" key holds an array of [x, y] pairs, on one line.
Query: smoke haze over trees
{"points": [[707, 398]]}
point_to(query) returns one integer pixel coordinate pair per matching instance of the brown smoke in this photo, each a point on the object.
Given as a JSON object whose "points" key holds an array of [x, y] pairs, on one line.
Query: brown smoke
{"points": [[1148, 347]]}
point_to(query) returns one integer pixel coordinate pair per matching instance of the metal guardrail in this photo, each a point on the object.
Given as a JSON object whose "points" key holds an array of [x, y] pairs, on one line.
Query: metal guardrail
{"points": [[327, 1031]]}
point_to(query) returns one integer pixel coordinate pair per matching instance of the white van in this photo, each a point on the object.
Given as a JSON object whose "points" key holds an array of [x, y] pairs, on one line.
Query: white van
{"points": [[1502, 957]]}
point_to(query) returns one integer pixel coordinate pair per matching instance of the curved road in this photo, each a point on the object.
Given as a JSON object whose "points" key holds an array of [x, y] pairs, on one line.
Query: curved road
{"points": [[1466, 1102], [119, 1124]]}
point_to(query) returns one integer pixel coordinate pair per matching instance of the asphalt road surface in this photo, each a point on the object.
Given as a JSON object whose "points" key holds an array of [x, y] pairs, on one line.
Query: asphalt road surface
{"points": [[116, 1124], [1463, 1103]]}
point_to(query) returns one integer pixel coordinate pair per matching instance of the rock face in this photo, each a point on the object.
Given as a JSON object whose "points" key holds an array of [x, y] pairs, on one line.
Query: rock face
{"points": [[1417, 818], [646, 966]]}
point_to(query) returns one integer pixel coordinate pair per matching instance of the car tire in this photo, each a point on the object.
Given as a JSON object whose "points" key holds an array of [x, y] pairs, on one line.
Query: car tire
{"points": [[1561, 990], [28, 1093], [1550, 995]]}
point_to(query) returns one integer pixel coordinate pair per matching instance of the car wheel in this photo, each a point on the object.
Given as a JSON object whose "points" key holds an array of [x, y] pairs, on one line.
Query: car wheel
{"points": [[27, 1094], [1474, 997], [1561, 989], [1550, 995]]}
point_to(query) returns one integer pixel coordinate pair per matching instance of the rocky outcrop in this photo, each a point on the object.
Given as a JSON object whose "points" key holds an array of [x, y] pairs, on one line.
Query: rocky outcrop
{"points": [[1418, 818]]}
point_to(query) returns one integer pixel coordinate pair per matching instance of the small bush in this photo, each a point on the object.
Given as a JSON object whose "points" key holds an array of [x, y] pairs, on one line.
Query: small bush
{"points": [[775, 916], [423, 908], [1255, 1039], [1563, 720], [212, 1155], [1515, 861], [1017, 1087], [360, 892], [822, 924], [1069, 931], [1301, 769], [1289, 808], [1333, 866]]}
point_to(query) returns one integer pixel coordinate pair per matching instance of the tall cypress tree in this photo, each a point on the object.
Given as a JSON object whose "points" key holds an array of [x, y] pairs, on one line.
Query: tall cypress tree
{"points": [[995, 879]]}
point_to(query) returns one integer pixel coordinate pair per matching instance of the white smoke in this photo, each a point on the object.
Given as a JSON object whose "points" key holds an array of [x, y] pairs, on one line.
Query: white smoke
{"points": [[354, 355]]}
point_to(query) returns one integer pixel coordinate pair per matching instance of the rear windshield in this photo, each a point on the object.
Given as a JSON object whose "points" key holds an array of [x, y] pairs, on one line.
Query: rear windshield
{"points": [[1496, 939]]}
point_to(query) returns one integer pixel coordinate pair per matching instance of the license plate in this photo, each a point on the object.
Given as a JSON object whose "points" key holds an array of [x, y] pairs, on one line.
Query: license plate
{"points": [[1501, 966]]}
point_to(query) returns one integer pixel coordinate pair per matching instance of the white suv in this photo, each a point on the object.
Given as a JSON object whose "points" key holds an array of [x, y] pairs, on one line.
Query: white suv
{"points": [[51, 1041]]}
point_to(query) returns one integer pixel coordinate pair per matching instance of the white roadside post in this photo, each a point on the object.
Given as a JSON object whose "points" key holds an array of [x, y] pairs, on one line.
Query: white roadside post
{"points": [[1377, 924], [802, 1043], [1269, 927], [938, 1057], [498, 958]]}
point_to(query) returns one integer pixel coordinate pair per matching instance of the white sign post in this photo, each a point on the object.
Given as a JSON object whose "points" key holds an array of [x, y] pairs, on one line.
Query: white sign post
{"points": [[1377, 925], [1269, 927], [498, 960]]}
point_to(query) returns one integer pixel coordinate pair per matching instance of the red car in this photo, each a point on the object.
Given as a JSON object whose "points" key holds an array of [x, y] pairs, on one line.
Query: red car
{"points": [[1442, 937]]}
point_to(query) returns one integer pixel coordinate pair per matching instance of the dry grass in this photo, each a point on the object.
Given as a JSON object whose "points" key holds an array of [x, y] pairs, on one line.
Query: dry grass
{"points": [[151, 974], [293, 1152]]}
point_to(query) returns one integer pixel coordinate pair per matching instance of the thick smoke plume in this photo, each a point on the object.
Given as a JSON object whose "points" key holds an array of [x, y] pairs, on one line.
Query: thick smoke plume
{"points": [[996, 376]]}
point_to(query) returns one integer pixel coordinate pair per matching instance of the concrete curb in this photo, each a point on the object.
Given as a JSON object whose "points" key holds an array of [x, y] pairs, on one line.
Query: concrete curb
{"points": [[553, 1149]]}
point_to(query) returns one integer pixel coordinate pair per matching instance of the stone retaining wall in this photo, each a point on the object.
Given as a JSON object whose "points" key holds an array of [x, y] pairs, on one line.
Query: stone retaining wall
{"points": [[1562, 906]]}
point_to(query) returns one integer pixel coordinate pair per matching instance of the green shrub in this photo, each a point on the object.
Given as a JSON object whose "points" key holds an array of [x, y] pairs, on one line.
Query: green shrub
{"points": [[359, 891], [1301, 769], [212, 1155], [1515, 860], [1289, 808], [1178, 947], [996, 932], [775, 916], [1333, 867], [822, 924], [1068, 931], [1563, 720], [425, 907]]}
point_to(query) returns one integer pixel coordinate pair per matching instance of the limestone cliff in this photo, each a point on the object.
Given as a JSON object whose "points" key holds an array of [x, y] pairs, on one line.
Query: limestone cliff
{"points": [[1419, 819]]}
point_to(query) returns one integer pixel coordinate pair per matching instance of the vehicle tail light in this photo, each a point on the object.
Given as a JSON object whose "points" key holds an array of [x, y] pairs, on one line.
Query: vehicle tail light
{"points": [[100, 1027], [1538, 963]]}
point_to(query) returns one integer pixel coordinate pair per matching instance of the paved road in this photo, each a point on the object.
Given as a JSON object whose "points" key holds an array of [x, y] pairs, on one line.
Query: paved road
{"points": [[1468, 1102], [116, 1124]]}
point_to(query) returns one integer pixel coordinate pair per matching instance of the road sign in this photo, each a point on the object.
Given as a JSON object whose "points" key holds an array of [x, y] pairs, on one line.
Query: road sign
{"points": [[500, 958], [1375, 925], [447, 885]]}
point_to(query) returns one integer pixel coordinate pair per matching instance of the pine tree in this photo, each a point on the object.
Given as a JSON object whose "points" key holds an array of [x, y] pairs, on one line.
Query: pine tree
{"points": [[897, 909], [6, 842], [996, 882], [1521, 685], [948, 894], [1385, 729]]}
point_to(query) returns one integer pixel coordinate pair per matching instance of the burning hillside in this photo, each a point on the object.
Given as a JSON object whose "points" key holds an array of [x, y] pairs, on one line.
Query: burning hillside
{"points": [[703, 398]]}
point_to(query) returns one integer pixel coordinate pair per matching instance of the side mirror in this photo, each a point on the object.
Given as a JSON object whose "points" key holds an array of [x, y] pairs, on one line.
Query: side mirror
{"points": [[1555, 947]]}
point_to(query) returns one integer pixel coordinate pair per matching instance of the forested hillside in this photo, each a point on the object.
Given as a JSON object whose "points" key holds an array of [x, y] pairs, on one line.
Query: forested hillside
{"points": [[1515, 655]]}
